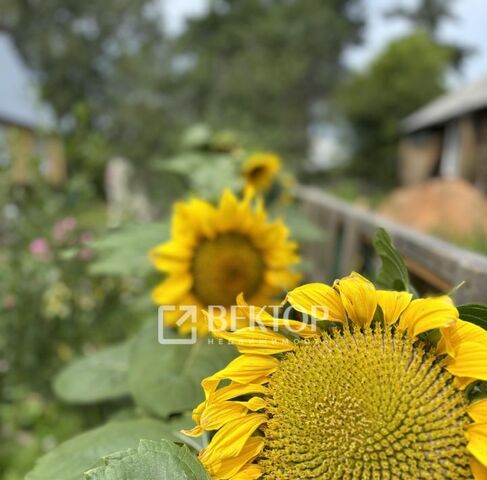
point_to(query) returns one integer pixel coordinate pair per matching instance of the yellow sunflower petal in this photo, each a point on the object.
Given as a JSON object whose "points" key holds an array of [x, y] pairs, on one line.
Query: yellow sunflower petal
{"points": [[426, 314], [478, 411], [223, 468], [170, 257], [229, 214], [172, 289], [255, 404], [191, 220], [200, 216], [258, 316], [359, 298], [235, 390], [460, 332], [256, 341], [318, 300], [231, 438], [469, 361], [249, 472], [393, 304], [244, 369], [222, 396], [477, 441], [283, 279], [466, 345], [479, 471], [462, 382], [218, 414]]}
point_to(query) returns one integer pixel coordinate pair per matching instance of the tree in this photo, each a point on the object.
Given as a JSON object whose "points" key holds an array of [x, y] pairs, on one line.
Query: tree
{"points": [[263, 66], [428, 14], [104, 67], [407, 74]]}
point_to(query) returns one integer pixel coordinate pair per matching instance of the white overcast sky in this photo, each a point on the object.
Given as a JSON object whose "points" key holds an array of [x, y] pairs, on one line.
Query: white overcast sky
{"points": [[470, 29]]}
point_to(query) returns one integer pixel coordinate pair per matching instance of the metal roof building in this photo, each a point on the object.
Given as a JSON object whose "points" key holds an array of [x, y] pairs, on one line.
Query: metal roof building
{"points": [[447, 138], [452, 105], [29, 145], [19, 100]]}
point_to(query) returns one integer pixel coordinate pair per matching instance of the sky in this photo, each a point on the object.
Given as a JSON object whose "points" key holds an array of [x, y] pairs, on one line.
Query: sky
{"points": [[470, 29]]}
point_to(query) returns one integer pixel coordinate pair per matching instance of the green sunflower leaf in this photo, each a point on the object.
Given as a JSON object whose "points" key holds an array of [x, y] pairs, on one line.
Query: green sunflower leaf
{"points": [[70, 459], [166, 379], [98, 377], [393, 274], [475, 313], [124, 251], [162, 460], [477, 391]]}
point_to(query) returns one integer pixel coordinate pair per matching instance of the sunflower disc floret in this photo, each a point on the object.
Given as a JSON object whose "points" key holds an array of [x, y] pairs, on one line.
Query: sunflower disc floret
{"points": [[348, 406]]}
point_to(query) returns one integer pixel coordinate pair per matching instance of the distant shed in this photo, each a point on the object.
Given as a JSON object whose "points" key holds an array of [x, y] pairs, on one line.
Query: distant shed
{"points": [[29, 144], [447, 138]]}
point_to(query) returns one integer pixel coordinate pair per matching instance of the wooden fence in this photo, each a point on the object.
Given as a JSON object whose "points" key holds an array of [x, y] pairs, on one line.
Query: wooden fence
{"points": [[433, 263]]}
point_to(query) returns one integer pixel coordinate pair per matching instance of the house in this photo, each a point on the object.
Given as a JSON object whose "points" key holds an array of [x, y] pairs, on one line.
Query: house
{"points": [[447, 138], [29, 145]]}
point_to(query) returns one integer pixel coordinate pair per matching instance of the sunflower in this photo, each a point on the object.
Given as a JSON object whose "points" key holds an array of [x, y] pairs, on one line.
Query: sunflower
{"points": [[260, 170], [371, 396], [216, 252]]}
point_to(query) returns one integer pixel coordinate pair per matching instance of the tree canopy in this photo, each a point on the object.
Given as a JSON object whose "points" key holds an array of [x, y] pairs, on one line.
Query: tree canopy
{"points": [[407, 74], [427, 14], [264, 67]]}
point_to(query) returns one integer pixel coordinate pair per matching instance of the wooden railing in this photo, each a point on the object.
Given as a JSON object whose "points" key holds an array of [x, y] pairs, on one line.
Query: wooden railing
{"points": [[435, 264]]}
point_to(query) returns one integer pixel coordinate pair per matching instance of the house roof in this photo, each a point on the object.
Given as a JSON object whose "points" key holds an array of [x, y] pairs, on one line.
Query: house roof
{"points": [[468, 99], [19, 102]]}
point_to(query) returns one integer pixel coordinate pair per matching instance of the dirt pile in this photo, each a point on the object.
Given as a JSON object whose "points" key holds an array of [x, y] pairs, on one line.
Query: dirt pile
{"points": [[452, 208]]}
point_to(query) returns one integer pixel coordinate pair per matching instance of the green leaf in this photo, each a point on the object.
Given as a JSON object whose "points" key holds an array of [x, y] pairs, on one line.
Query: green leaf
{"points": [[166, 379], [70, 459], [199, 171], [124, 252], [477, 391], [393, 274], [95, 378], [301, 227], [475, 313], [152, 460]]}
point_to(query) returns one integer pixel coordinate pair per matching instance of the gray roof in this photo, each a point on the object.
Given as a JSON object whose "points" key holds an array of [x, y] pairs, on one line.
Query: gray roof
{"points": [[449, 106], [19, 102]]}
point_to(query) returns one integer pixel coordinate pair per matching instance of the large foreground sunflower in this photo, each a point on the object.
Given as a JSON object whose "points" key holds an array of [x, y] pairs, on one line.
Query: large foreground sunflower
{"points": [[260, 170], [216, 252], [369, 397]]}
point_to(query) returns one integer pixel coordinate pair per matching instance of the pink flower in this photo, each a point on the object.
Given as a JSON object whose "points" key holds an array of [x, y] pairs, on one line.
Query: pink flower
{"points": [[86, 254], [39, 247], [62, 227], [86, 237]]}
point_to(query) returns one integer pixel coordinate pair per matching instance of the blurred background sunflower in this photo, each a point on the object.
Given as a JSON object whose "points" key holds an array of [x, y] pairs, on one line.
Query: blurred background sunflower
{"points": [[260, 170], [217, 252]]}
